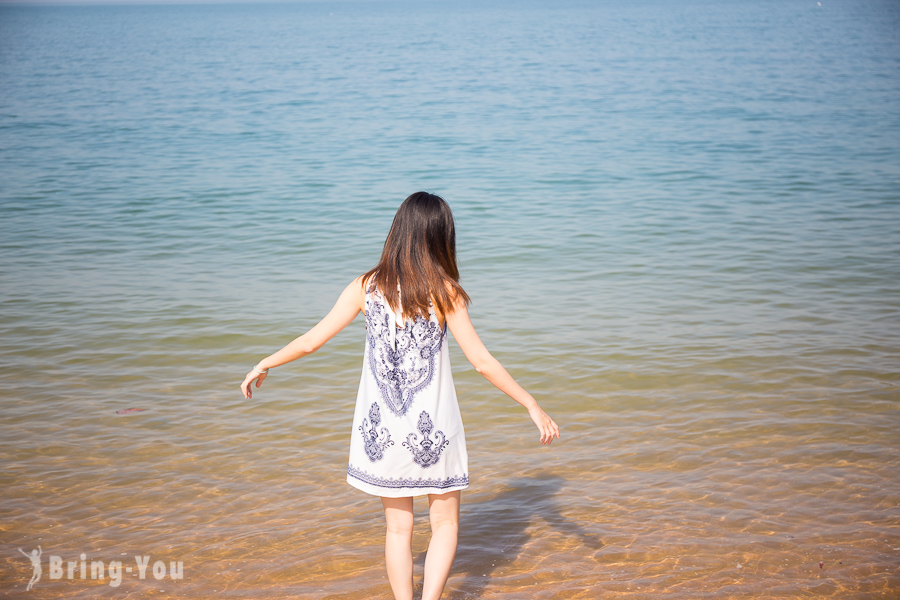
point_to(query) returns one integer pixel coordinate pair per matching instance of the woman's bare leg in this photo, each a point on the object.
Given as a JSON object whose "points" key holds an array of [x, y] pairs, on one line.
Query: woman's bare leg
{"points": [[398, 513], [444, 516]]}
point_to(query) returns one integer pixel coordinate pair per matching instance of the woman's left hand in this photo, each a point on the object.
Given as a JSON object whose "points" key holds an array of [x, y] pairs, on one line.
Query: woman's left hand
{"points": [[248, 380]]}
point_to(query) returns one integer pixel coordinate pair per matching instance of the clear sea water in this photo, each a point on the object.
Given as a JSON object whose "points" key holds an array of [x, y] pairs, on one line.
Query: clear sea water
{"points": [[679, 223]]}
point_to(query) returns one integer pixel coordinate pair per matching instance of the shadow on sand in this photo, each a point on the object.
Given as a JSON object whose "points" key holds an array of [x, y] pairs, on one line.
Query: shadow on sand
{"points": [[493, 532]]}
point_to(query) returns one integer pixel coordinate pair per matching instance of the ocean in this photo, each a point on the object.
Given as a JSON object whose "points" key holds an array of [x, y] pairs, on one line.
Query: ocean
{"points": [[679, 223]]}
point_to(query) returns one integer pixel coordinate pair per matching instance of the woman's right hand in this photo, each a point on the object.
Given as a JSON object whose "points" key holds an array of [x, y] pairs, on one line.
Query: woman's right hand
{"points": [[547, 426], [248, 380]]}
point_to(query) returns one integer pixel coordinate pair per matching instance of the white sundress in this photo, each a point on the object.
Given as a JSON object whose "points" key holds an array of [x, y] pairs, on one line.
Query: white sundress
{"points": [[407, 437]]}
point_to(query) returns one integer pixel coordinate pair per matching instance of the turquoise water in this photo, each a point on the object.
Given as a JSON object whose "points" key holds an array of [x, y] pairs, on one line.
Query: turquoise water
{"points": [[679, 223]]}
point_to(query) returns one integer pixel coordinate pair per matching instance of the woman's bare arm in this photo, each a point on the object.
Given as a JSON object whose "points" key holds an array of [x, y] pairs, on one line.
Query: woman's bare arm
{"points": [[465, 335], [348, 305]]}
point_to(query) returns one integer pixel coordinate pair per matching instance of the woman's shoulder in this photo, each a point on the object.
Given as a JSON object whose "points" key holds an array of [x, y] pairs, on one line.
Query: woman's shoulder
{"points": [[365, 283], [357, 289], [454, 299]]}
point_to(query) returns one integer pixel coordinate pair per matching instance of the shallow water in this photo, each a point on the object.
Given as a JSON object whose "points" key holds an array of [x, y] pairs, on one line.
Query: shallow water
{"points": [[679, 225]]}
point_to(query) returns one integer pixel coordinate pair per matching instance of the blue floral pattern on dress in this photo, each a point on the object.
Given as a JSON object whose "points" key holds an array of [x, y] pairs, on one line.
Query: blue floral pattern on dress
{"points": [[408, 482], [402, 371], [427, 452], [375, 440]]}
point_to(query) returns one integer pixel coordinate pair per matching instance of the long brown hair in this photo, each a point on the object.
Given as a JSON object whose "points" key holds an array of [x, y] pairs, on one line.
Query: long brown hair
{"points": [[420, 256]]}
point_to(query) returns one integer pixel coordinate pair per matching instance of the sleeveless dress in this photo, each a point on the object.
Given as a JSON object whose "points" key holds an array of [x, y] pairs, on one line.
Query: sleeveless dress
{"points": [[407, 437]]}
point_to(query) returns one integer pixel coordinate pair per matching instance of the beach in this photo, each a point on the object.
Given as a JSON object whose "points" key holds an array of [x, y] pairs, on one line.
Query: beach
{"points": [[679, 225]]}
